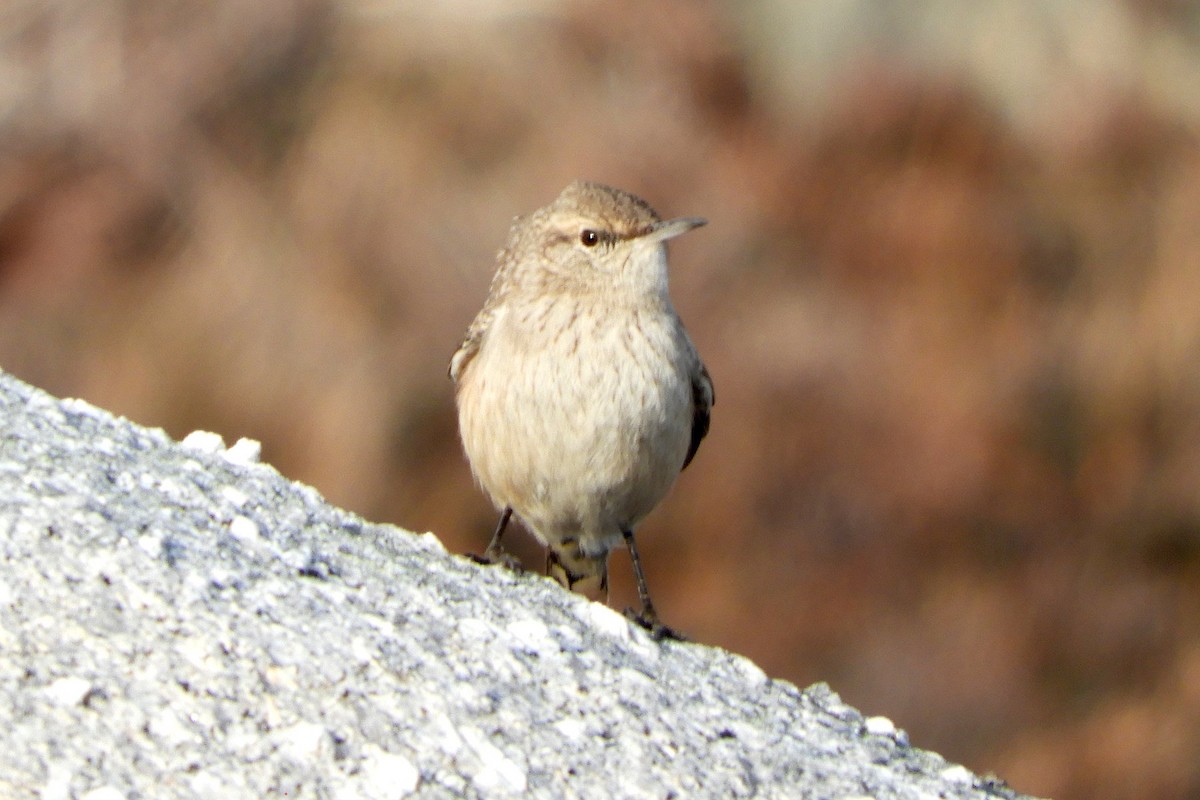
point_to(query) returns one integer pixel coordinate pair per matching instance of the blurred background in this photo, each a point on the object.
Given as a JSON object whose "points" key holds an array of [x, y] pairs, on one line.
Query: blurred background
{"points": [[949, 296]]}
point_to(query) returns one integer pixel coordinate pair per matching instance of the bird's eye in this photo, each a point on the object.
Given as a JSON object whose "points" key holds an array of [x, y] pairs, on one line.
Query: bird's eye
{"points": [[589, 237]]}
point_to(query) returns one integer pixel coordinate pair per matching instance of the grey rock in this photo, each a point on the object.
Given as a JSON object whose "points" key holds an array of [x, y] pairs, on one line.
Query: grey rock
{"points": [[180, 621]]}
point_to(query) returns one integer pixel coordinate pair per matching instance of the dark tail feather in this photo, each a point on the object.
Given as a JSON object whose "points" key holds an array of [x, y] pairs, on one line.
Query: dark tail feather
{"points": [[587, 575]]}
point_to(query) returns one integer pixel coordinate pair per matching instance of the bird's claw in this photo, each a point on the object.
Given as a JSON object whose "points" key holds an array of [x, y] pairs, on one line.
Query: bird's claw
{"points": [[500, 558], [648, 620]]}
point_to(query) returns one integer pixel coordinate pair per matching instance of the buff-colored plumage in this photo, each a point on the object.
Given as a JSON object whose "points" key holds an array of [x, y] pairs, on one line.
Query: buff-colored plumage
{"points": [[580, 395]]}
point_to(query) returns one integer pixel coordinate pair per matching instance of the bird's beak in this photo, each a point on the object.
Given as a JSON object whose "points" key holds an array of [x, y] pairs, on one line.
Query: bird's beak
{"points": [[671, 228]]}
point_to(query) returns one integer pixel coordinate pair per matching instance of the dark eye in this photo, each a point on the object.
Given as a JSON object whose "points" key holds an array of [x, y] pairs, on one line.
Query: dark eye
{"points": [[589, 237]]}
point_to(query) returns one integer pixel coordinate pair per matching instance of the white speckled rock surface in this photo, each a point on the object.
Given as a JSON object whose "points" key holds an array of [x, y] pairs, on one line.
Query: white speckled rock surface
{"points": [[177, 620]]}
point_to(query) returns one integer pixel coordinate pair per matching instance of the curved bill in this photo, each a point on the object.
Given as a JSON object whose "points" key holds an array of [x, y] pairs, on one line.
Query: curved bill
{"points": [[669, 229]]}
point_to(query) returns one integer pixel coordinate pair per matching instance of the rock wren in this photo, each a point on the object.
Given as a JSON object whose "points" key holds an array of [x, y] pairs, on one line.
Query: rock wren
{"points": [[580, 395]]}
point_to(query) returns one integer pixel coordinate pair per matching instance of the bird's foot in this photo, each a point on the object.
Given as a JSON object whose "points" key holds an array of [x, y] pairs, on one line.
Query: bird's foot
{"points": [[648, 619], [499, 557]]}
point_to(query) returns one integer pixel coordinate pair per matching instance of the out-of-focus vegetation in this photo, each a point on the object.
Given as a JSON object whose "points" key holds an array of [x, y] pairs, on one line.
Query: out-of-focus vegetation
{"points": [[949, 295]]}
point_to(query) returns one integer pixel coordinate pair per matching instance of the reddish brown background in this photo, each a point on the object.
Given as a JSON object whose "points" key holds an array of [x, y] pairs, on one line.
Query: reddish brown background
{"points": [[950, 297]]}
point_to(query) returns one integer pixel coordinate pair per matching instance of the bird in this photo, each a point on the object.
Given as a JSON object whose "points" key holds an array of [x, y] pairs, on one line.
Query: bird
{"points": [[580, 395]]}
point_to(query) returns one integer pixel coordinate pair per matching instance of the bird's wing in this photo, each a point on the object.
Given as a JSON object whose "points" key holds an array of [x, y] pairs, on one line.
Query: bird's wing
{"points": [[487, 315], [471, 342], [703, 398], [463, 355]]}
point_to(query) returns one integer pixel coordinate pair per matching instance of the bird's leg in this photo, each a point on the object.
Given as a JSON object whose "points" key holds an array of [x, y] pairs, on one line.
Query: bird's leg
{"points": [[495, 552], [494, 547], [647, 617]]}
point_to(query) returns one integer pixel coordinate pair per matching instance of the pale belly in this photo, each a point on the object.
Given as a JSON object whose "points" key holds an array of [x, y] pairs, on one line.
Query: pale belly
{"points": [[582, 437]]}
